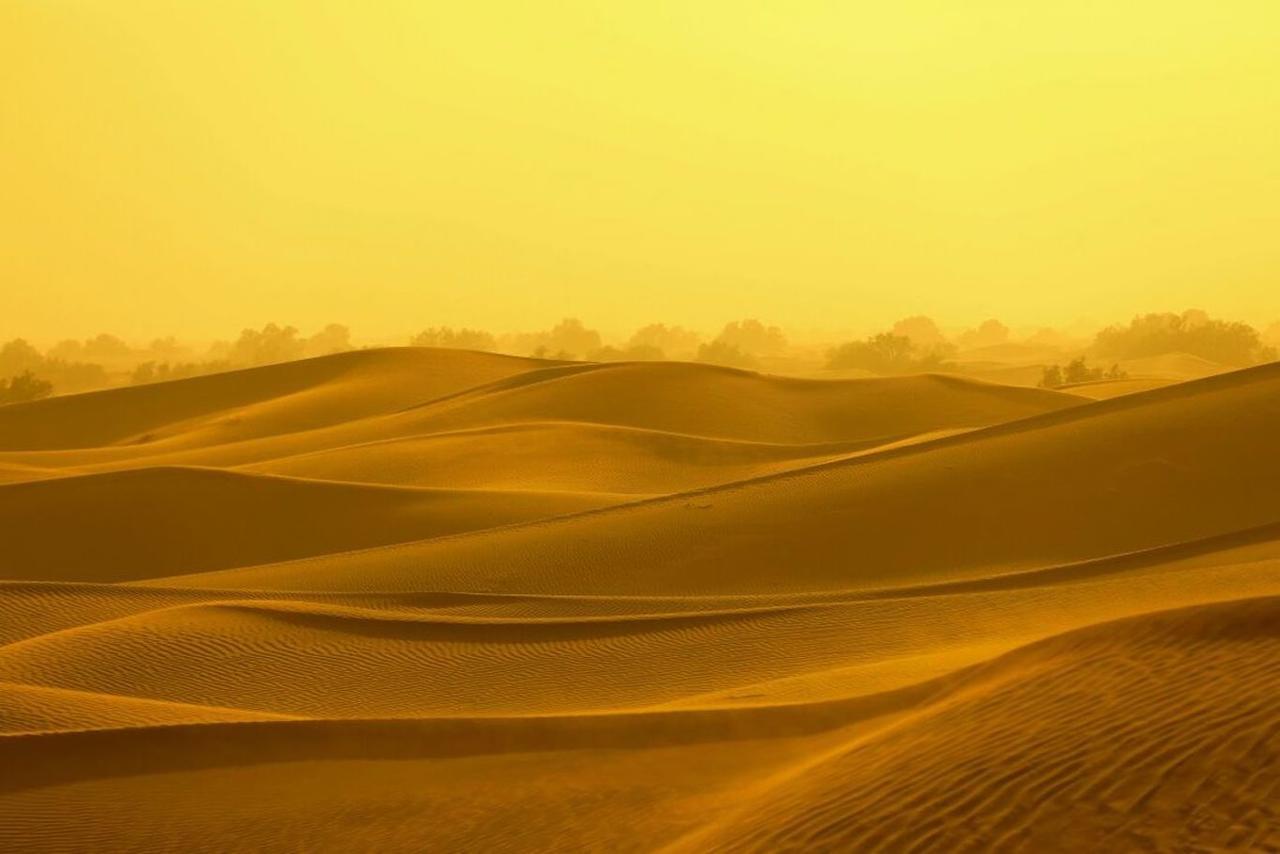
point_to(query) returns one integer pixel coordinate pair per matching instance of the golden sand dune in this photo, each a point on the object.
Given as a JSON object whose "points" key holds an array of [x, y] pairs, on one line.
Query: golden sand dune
{"points": [[1106, 389], [425, 600], [140, 523], [243, 404], [1054, 488], [1155, 733], [568, 456], [692, 401]]}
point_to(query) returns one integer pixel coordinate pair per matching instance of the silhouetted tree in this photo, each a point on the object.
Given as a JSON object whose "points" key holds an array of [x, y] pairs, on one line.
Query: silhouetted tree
{"points": [[923, 332], [24, 387], [18, 355], [989, 334], [334, 338], [721, 352], [888, 353], [1078, 371], [1194, 332], [270, 345], [752, 338], [676, 341]]}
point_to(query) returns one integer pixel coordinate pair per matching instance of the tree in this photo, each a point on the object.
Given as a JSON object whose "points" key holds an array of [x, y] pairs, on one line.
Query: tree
{"points": [[18, 356], [1194, 332], [1051, 376], [752, 338], [24, 387], [571, 336], [886, 353], [270, 345], [721, 352], [1078, 371], [989, 334], [678, 342], [105, 346], [334, 338], [922, 331]]}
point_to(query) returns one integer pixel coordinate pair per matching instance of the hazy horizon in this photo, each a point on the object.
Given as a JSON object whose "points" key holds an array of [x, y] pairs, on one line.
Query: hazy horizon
{"points": [[193, 169]]}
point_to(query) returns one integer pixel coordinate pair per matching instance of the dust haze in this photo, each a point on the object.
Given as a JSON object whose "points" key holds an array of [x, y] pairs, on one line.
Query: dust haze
{"points": [[702, 427]]}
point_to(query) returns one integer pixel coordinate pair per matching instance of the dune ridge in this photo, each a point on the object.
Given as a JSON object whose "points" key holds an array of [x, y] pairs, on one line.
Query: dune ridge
{"points": [[421, 599]]}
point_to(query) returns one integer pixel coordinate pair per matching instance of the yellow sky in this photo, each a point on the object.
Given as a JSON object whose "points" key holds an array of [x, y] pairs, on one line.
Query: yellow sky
{"points": [[194, 167]]}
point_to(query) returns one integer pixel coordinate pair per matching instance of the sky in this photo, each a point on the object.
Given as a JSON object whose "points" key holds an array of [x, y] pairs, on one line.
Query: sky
{"points": [[192, 168]]}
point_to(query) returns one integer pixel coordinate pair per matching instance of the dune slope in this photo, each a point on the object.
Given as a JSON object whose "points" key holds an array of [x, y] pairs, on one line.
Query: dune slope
{"points": [[419, 600], [1065, 486]]}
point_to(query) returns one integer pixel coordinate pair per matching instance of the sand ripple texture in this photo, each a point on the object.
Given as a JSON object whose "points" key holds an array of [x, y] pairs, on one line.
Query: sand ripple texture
{"points": [[432, 600]]}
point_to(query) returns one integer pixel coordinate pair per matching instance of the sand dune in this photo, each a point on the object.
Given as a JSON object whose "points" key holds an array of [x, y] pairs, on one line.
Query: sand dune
{"points": [[1202, 451], [243, 404], [556, 456], [1178, 753], [141, 523], [424, 600]]}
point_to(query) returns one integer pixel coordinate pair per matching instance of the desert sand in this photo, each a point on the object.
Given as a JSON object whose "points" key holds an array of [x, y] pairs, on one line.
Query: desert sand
{"points": [[415, 599]]}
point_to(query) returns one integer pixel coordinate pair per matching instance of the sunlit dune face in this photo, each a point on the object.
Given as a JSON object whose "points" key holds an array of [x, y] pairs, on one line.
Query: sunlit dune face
{"points": [[419, 599], [178, 167]]}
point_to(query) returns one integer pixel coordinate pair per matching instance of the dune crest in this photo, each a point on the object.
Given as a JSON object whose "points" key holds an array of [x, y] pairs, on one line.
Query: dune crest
{"points": [[421, 599]]}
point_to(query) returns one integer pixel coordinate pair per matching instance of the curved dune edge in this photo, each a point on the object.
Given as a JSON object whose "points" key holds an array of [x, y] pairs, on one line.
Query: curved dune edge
{"points": [[415, 599], [1207, 437], [140, 523], [1006, 760], [1003, 724], [28, 709], [433, 654]]}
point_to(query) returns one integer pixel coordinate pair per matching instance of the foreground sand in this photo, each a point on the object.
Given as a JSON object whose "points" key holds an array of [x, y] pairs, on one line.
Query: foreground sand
{"points": [[438, 600]]}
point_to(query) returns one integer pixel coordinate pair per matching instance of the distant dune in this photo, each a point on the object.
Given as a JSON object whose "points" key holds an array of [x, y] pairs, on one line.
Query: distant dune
{"points": [[420, 599]]}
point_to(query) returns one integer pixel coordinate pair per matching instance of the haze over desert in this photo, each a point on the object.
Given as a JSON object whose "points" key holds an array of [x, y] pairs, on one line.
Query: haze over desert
{"points": [[693, 427]]}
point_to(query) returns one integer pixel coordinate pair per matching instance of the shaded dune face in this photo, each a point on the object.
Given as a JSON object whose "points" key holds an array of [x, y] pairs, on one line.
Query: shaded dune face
{"points": [[419, 599]]}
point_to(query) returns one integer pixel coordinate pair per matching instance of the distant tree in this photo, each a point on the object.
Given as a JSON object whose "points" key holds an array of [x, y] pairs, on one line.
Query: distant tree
{"points": [[989, 334], [106, 347], [73, 376], [567, 340], [923, 332], [1078, 371], [1194, 332], [18, 355], [752, 338], [334, 338], [69, 349], [721, 352], [143, 373], [676, 341], [154, 372], [889, 353], [24, 387], [571, 336], [1051, 377], [455, 339], [885, 353], [267, 346], [166, 348]]}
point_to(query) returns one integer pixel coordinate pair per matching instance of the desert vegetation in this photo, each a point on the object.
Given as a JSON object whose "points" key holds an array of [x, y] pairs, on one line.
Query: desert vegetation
{"points": [[911, 345]]}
